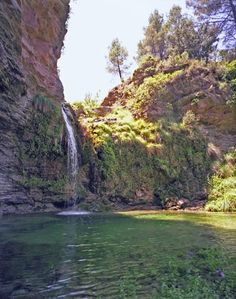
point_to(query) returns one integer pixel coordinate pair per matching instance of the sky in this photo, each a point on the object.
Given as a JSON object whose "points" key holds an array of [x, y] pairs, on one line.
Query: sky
{"points": [[92, 26]]}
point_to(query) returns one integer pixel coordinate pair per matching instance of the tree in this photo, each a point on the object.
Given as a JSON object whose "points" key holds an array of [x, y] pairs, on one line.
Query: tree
{"points": [[185, 35], [219, 12], [181, 33], [154, 42], [207, 41], [227, 54], [176, 35], [117, 58]]}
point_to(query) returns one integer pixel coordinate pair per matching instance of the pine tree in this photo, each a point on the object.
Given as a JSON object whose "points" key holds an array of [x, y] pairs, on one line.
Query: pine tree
{"points": [[185, 35], [219, 12], [154, 41], [117, 58], [177, 35]]}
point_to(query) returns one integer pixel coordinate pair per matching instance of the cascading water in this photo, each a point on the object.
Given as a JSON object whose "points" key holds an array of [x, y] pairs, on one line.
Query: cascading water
{"points": [[72, 148]]}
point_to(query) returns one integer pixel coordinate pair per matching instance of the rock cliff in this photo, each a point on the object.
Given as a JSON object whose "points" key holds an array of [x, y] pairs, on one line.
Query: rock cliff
{"points": [[160, 136], [32, 154], [154, 141]]}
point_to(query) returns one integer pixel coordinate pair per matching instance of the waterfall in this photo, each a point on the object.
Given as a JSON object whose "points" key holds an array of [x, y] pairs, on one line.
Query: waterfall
{"points": [[72, 147]]}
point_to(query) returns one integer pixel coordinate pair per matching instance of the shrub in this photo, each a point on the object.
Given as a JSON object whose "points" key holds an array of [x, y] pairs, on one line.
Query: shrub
{"points": [[45, 105], [189, 119], [87, 106], [230, 77], [222, 190], [38, 182], [152, 88], [108, 160]]}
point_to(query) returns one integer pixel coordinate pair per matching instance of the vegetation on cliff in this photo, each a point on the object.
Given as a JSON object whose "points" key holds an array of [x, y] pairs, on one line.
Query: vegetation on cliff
{"points": [[222, 190], [149, 140], [156, 138], [41, 142]]}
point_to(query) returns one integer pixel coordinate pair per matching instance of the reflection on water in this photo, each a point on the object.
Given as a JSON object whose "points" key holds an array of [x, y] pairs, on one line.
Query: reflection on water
{"points": [[115, 256], [74, 213]]}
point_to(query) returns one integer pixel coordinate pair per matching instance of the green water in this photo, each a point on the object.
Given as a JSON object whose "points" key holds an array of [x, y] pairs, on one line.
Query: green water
{"points": [[118, 256]]}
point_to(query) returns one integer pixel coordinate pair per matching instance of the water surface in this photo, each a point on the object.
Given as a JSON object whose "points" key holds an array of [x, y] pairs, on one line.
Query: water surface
{"points": [[164, 255]]}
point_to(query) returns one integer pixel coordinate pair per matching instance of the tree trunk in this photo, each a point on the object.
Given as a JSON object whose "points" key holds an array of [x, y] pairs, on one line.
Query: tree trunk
{"points": [[120, 73], [233, 7]]}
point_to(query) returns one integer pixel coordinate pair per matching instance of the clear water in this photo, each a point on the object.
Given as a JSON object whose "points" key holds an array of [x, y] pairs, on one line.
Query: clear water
{"points": [[118, 256]]}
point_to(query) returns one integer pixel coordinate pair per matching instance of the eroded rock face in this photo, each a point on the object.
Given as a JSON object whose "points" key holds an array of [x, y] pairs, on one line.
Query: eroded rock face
{"points": [[198, 89], [189, 103], [43, 30], [31, 38]]}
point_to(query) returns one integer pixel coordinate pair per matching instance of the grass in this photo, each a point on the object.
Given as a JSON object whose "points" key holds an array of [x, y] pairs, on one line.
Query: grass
{"points": [[120, 126]]}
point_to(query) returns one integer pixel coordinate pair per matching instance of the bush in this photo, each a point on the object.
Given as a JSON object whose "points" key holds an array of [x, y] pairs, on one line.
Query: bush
{"points": [[108, 160], [87, 106], [222, 193], [189, 119], [45, 105], [50, 185], [152, 88], [230, 77]]}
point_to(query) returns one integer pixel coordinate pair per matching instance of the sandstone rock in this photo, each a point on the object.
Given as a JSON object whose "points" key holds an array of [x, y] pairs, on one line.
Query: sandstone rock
{"points": [[183, 203], [171, 202], [174, 203], [31, 38], [144, 194]]}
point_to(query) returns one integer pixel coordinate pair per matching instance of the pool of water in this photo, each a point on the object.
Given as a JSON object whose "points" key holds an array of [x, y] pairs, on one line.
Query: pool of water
{"points": [[134, 255]]}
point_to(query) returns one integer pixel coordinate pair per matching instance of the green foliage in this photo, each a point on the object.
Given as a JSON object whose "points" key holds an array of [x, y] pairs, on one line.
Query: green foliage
{"points": [[143, 149], [152, 88], [45, 129], [177, 60], [87, 106], [222, 193], [148, 61], [117, 58], [230, 74], [154, 42], [230, 77], [45, 105], [108, 161], [222, 12], [135, 153], [49, 185], [176, 35], [189, 119], [147, 65], [124, 128]]}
